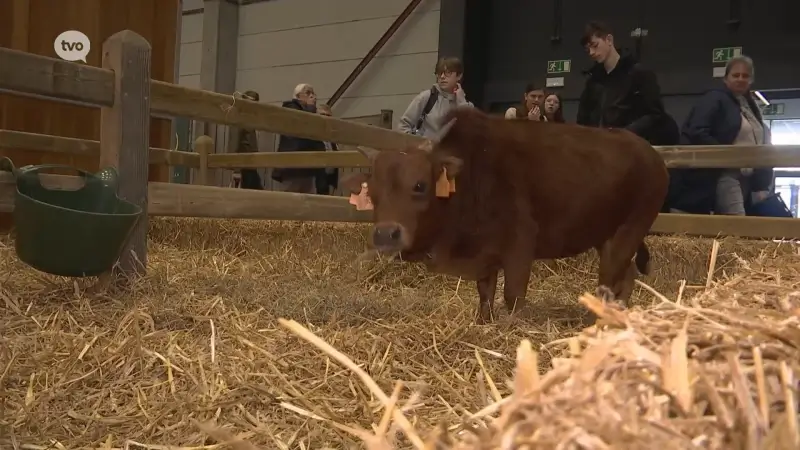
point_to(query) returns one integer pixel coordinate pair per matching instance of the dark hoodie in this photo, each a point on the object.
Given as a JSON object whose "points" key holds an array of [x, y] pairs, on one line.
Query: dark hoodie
{"points": [[297, 144], [627, 97], [715, 119]]}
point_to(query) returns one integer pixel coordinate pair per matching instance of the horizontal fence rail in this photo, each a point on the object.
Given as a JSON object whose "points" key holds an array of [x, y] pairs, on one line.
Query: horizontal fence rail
{"points": [[696, 157], [184, 200], [343, 158], [730, 156], [84, 147], [180, 200]]}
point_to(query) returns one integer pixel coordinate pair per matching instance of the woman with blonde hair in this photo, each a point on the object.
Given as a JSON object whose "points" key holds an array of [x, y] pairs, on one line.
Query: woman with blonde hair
{"points": [[727, 115]]}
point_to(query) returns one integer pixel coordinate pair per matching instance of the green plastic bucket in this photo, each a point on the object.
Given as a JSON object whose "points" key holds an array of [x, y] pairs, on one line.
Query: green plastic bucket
{"points": [[71, 233]]}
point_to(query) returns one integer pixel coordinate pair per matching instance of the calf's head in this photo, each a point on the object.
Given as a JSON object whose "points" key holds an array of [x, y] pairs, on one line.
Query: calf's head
{"points": [[403, 192]]}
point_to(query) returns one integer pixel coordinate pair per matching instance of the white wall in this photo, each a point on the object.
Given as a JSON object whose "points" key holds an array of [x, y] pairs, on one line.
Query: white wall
{"points": [[286, 42], [191, 45]]}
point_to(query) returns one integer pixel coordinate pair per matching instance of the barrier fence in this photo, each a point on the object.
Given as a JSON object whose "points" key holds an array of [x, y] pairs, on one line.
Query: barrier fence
{"points": [[127, 96]]}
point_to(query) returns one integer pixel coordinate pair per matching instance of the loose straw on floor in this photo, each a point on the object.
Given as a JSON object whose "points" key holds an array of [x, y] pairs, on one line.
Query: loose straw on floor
{"points": [[398, 416]]}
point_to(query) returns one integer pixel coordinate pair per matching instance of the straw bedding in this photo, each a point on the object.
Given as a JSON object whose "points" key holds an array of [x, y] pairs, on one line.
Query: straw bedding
{"points": [[195, 354]]}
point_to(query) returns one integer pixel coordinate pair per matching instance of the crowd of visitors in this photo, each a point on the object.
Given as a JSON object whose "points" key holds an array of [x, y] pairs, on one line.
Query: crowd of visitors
{"points": [[619, 92]]}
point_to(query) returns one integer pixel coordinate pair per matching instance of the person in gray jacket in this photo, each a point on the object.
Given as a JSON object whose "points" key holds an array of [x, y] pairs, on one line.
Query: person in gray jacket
{"points": [[424, 114]]}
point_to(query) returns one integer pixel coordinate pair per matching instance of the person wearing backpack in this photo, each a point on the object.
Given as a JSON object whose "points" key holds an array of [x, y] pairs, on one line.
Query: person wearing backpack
{"points": [[424, 114]]}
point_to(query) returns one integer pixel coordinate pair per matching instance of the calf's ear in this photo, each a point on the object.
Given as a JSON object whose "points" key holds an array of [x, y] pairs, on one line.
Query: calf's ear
{"points": [[451, 164], [351, 184], [369, 153]]}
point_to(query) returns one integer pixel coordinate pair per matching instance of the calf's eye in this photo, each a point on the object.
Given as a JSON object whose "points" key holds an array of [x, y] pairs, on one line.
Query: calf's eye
{"points": [[419, 188]]}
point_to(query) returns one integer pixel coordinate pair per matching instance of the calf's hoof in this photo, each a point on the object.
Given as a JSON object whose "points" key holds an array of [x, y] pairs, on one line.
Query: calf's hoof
{"points": [[514, 307], [607, 295], [484, 315], [604, 293]]}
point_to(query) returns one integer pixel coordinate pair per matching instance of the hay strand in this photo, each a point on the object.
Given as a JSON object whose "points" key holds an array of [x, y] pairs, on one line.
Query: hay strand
{"points": [[313, 339]]}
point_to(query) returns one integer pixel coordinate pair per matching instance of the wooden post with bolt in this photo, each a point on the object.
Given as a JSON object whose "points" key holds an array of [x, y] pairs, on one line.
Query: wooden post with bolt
{"points": [[204, 145], [386, 118], [125, 134]]}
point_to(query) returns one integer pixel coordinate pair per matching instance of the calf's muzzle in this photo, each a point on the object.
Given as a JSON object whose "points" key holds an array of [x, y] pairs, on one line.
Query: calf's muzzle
{"points": [[387, 236]]}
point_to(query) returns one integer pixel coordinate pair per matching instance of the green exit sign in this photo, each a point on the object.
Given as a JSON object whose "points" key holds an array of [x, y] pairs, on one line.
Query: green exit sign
{"points": [[560, 66], [725, 54]]}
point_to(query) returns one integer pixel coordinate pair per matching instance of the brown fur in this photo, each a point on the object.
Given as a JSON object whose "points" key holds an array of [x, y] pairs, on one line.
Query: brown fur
{"points": [[525, 190]]}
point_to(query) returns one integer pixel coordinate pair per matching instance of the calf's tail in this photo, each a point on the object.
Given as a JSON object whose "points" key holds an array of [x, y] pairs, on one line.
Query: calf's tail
{"points": [[642, 259]]}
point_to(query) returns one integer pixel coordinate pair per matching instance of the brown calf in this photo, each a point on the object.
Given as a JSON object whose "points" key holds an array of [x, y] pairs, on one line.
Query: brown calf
{"points": [[519, 191]]}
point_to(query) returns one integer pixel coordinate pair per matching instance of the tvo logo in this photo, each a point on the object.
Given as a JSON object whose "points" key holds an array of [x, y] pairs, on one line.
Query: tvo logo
{"points": [[72, 45]]}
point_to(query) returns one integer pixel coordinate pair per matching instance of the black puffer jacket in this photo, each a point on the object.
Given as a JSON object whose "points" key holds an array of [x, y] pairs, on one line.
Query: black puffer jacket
{"points": [[627, 97], [298, 144]]}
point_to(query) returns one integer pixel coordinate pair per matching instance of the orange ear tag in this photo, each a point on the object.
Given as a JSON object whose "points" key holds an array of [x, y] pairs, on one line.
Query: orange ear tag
{"points": [[443, 185], [361, 201], [452, 184]]}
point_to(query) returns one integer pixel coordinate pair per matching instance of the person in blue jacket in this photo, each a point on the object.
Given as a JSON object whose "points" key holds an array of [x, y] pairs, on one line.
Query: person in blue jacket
{"points": [[727, 115]]}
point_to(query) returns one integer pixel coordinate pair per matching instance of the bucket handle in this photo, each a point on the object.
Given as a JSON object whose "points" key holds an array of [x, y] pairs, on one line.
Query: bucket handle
{"points": [[106, 176], [35, 170], [8, 166]]}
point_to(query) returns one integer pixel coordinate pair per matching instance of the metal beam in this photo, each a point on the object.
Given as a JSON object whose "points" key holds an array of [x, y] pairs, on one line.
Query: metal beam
{"points": [[374, 51]]}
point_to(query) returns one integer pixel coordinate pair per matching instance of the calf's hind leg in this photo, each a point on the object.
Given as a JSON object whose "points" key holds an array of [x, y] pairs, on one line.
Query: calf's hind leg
{"points": [[487, 287], [518, 262]]}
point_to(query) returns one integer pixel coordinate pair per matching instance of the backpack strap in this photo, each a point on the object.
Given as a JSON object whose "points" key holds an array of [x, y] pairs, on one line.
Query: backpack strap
{"points": [[428, 106]]}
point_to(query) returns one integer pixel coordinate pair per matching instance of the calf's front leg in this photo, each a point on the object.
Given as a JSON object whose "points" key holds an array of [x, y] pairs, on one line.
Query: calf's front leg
{"points": [[517, 265], [616, 279], [487, 287]]}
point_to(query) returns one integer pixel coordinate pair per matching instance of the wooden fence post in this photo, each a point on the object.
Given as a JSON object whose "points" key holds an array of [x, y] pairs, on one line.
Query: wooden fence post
{"points": [[125, 134], [386, 118], [203, 146]]}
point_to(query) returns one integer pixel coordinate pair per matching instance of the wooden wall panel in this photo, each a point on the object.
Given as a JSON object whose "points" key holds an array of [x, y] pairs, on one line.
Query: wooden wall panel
{"points": [[32, 26]]}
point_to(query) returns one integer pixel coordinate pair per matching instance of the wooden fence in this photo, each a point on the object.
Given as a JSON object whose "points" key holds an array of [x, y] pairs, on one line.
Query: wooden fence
{"points": [[127, 96]]}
